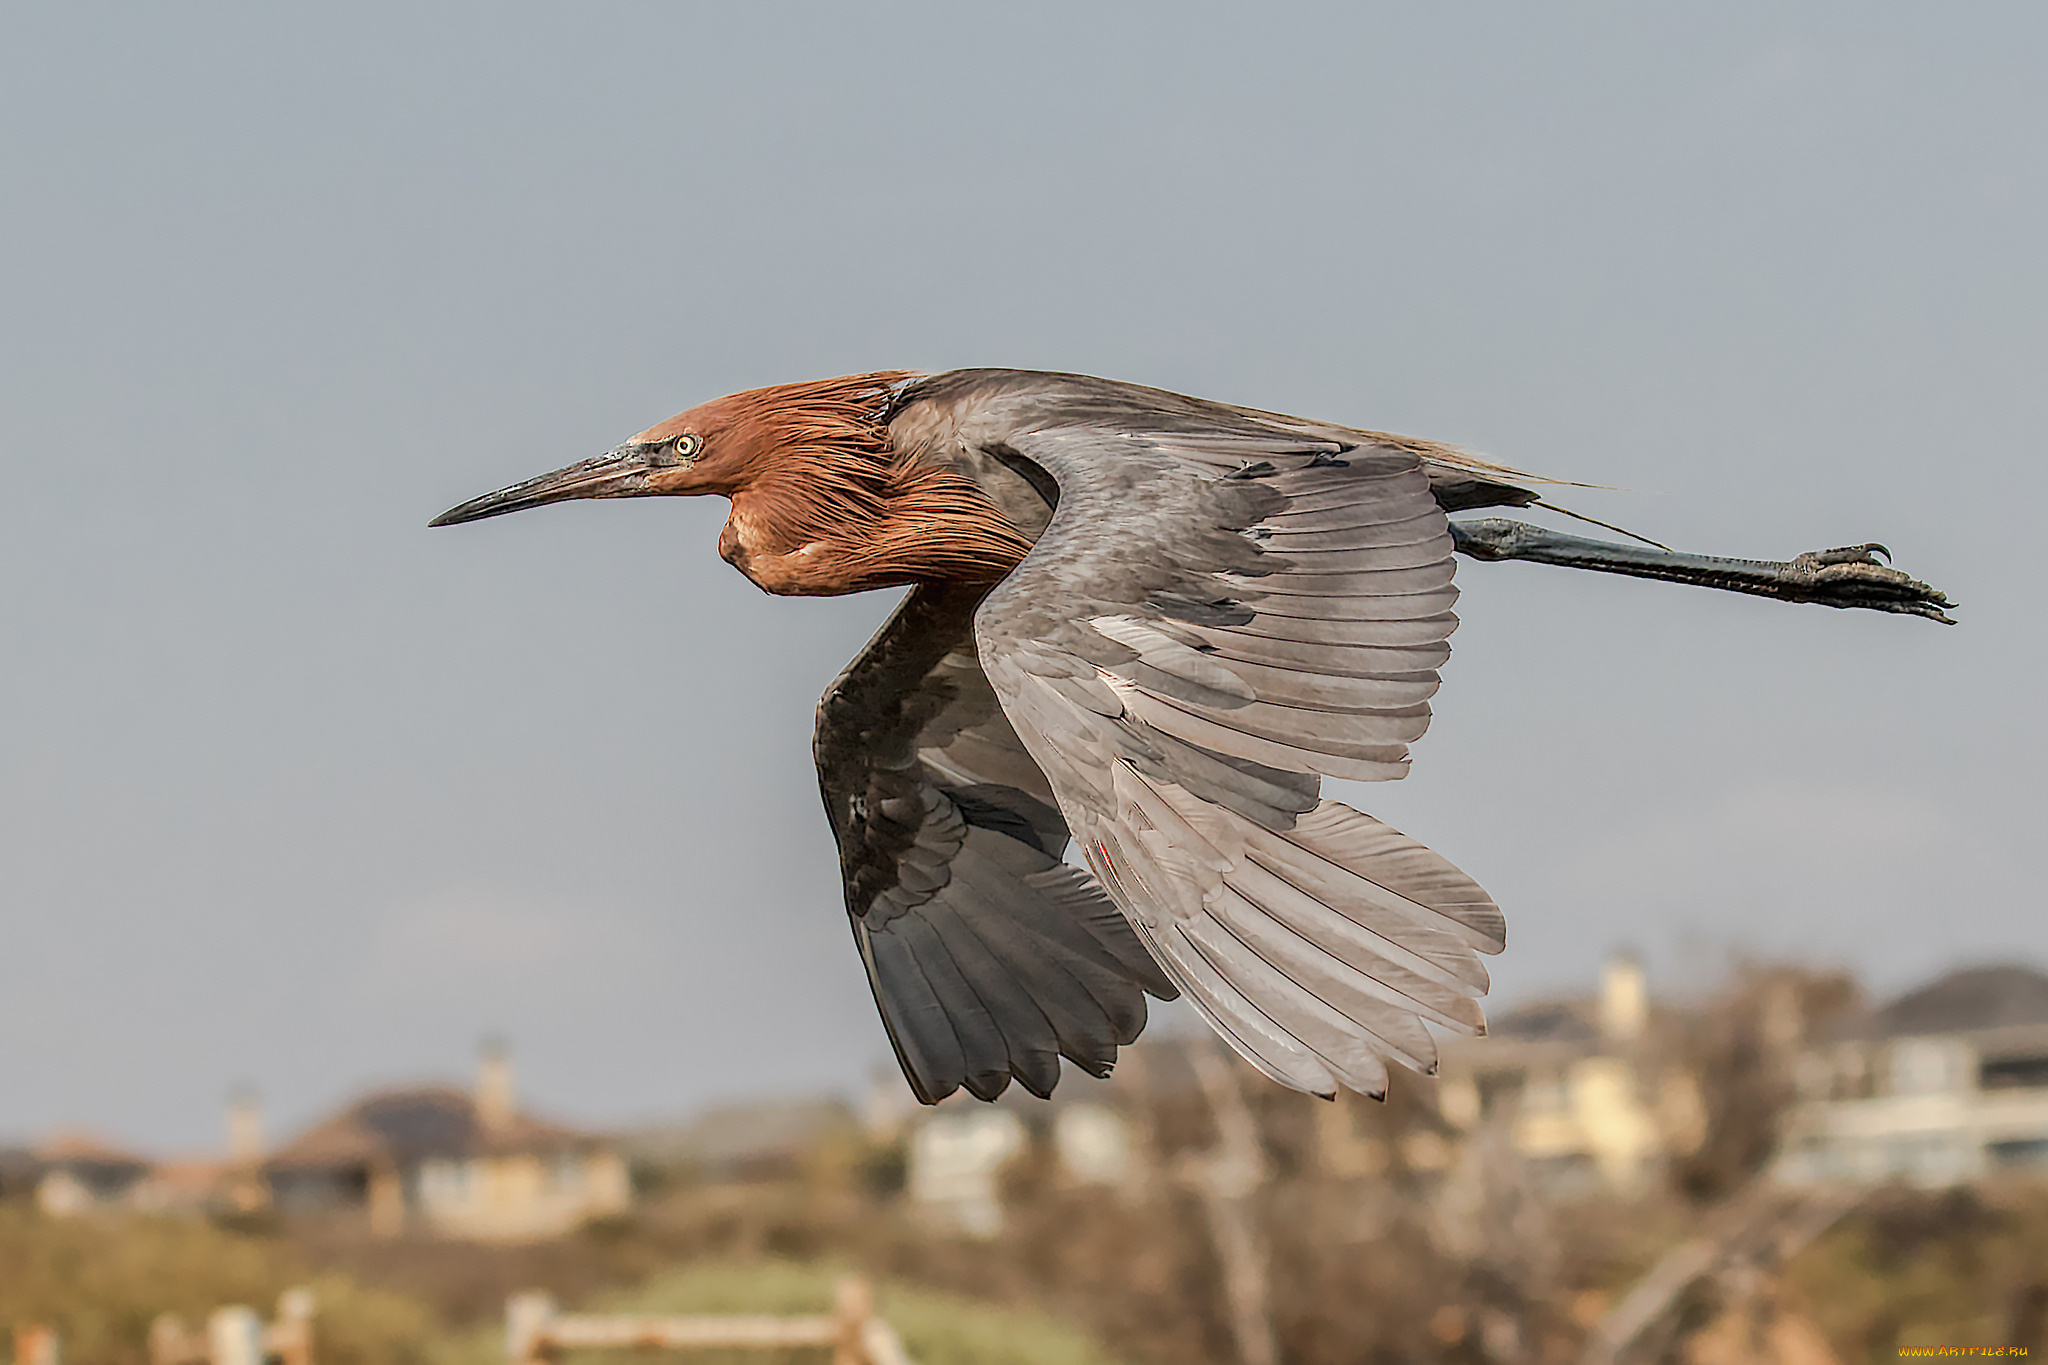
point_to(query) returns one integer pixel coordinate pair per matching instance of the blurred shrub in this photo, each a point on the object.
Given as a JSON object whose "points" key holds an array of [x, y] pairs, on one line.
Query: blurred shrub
{"points": [[101, 1282], [1915, 1268]]}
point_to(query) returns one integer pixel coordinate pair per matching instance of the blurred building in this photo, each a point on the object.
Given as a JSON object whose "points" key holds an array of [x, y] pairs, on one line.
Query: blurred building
{"points": [[1589, 1090], [956, 1152], [1946, 1084], [743, 1143], [457, 1163], [956, 1159], [76, 1172], [214, 1185]]}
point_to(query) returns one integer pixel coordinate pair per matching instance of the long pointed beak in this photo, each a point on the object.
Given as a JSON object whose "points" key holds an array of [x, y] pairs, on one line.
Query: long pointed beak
{"points": [[619, 473]]}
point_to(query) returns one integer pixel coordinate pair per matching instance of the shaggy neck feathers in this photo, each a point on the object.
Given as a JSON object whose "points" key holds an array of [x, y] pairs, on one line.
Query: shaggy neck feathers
{"points": [[823, 503]]}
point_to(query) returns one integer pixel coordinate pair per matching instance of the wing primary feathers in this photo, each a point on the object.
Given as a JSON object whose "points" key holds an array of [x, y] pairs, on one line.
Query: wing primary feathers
{"points": [[1261, 1040], [919, 1026], [1098, 915], [1045, 966]]}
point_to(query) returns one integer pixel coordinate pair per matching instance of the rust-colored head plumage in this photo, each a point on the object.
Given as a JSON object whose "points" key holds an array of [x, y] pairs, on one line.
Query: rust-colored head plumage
{"points": [[759, 433], [822, 500]]}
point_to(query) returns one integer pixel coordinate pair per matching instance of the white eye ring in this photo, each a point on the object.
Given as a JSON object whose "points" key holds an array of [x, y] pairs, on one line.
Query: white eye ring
{"points": [[688, 444]]}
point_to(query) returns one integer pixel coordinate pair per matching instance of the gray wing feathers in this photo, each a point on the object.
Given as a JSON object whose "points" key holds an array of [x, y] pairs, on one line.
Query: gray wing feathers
{"points": [[1210, 621], [1340, 910]]}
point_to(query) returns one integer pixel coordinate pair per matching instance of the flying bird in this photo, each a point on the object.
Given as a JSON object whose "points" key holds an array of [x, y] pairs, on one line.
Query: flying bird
{"points": [[1151, 624]]}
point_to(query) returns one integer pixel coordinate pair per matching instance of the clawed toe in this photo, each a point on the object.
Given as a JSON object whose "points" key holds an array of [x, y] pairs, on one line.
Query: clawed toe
{"points": [[1873, 553], [1865, 582]]}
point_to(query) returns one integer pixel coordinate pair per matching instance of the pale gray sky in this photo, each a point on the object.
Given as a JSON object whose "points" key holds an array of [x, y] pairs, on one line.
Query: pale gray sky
{"points": [[294, 792]]}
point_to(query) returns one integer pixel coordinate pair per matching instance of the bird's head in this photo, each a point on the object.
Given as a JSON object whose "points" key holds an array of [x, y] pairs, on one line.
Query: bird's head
{"points": [[718, 447]]}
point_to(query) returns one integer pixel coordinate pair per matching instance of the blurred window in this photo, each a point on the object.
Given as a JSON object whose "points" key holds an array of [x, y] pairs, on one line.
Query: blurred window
{"points": [[2014, 1073], [2019, 1152], [1498, 1091], [444, 1180]]}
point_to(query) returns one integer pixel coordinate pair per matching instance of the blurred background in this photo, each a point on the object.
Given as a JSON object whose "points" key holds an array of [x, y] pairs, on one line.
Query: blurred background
{"points": [[355, 879]]}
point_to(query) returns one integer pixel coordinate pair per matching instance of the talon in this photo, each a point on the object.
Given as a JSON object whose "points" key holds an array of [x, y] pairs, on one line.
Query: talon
{"points": [[1853, 554]]}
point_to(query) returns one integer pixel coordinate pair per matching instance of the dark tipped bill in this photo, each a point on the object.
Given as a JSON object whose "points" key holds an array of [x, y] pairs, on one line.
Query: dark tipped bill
{"points": [[620, 473]]}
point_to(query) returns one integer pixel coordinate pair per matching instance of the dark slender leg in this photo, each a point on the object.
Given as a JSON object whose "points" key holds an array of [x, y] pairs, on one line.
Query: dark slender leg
{"points": [[1853, 576]]}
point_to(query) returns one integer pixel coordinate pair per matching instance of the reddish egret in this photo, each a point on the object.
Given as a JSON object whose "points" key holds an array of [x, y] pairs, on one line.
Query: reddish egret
{"points": [[1151, 624]]}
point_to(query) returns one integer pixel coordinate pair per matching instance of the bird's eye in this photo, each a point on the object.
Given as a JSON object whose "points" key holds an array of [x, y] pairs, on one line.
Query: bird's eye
{"points": [[687, 445]]}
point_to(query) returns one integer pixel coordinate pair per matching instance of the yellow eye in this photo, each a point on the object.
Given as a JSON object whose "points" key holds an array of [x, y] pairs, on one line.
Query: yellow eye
{"points": [[687, 445]]}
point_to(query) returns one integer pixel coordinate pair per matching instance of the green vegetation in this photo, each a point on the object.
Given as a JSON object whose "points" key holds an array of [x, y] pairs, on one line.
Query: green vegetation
{"points": [[101, 1282]]}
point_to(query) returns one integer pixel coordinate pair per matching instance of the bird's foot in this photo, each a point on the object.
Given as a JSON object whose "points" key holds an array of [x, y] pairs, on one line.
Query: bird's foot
{"points": [[1852, 576], [1859, 576]]}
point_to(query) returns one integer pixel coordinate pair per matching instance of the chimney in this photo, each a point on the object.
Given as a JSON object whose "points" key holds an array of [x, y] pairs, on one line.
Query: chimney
{"points": [[245, 1127], [1624, 999], [494, 1102]]}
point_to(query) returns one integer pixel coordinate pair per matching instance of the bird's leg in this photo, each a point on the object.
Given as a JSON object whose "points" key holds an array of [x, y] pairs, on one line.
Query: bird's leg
{"points": [[1853, 576]]}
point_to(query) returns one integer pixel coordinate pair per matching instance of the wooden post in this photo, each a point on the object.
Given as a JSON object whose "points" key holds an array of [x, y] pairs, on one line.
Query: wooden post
{"points": [[527, 1318], [37, 1346], [290, 1339], [882, 1344], [853, 1303], [234, 1336], [166, 1336]]}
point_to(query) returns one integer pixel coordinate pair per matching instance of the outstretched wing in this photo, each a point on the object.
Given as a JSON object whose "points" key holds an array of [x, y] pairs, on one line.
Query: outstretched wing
{"points": [[1222, 609], [989, 957]]}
